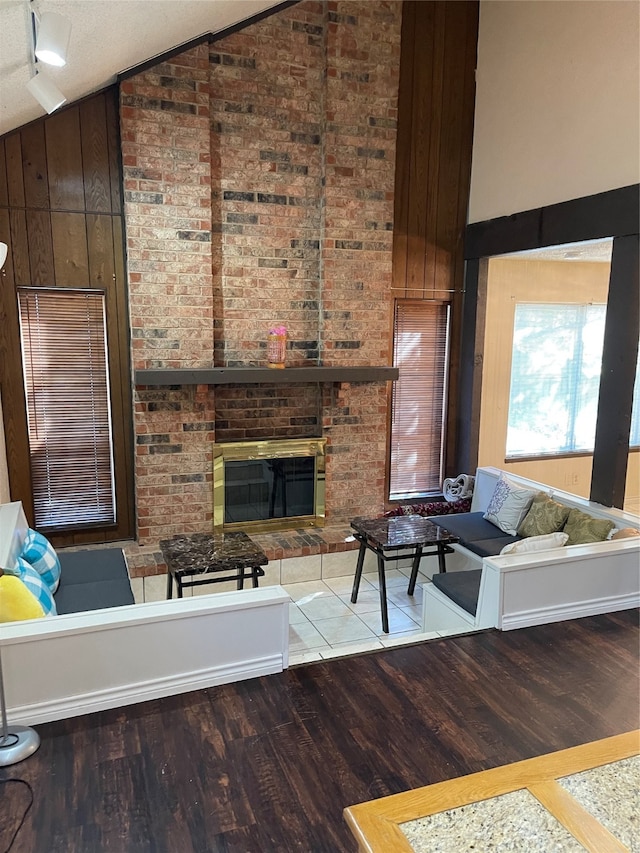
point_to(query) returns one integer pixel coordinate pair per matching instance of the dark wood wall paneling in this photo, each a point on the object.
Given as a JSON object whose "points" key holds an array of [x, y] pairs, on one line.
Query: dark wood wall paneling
{"points": [[609, 214], [433, 165], [61, 215]]}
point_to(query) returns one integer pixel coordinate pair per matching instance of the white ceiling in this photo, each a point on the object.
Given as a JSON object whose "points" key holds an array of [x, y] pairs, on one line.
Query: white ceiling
{"points": [[107, 38], [595, 251]]}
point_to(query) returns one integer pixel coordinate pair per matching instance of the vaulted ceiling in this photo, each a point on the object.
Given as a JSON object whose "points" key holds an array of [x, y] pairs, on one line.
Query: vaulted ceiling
{"points": [[107, 38]]}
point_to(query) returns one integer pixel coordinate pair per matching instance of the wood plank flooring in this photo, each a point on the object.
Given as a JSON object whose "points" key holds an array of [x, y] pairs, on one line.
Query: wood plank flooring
{"points": [[269, 764]]}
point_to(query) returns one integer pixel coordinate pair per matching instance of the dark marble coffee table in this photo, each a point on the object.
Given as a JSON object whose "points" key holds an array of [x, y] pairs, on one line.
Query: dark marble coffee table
{"points": [[386, 536], [211, 559]]}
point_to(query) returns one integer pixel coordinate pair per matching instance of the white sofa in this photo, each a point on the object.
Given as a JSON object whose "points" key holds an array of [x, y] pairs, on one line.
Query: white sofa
{"points": [[63, 666], [519, 590]]}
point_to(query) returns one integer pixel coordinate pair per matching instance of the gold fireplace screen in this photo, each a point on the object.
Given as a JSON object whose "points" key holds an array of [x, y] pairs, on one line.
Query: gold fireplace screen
{"points": [[277, 484]]}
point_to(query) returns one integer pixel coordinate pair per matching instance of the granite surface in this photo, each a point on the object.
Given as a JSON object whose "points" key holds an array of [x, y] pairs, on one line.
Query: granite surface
{"points": [[401, 531], [199, 553], [611, 793], [511, 822]]}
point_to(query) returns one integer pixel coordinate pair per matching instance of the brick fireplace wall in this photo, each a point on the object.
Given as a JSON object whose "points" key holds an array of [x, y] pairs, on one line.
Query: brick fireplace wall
{"points": [[259, 178]]}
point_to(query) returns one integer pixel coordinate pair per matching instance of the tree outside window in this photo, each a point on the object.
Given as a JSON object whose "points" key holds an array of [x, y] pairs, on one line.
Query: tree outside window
{"points": [[555, 379]]}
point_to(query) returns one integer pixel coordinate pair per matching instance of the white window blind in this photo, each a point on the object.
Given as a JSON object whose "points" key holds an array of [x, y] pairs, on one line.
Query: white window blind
{"points": [[418, 400], [555, 378], [67, 392]]}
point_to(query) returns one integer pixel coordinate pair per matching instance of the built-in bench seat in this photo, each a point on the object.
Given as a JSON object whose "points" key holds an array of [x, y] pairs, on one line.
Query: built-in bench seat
{"points": [[480, 537], [103, 651], [484, 588]]}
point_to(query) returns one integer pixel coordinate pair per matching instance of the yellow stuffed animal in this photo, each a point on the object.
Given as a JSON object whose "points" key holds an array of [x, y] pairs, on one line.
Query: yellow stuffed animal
{"points": [[16, 601]]}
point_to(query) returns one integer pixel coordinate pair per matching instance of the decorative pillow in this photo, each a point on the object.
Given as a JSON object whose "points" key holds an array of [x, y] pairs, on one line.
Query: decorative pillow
{"points": [[35, 584], [583, 528], [16, 601], [40, 553], [625, 533], [545, 516], [508, 505], [536, 543]]}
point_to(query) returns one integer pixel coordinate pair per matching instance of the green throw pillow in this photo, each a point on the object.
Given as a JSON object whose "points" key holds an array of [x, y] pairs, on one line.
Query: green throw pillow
{"points": [[545, 516], [583, 528]]}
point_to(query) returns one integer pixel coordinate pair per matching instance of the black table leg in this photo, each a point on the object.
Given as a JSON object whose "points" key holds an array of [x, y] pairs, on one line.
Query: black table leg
{"points": [[179, 585], [240, 579], [169, 584], [441, 552], [358, 575], [383, 595], [415, 566], [254, 576]]}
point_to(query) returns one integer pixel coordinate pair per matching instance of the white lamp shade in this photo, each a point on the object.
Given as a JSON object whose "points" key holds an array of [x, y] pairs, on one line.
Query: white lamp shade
{"points": [[3, 254], [46, 92], [54, 32]]}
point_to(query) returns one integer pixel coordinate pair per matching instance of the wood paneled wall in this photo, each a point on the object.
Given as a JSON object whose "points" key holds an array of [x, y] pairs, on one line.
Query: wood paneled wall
{"points": [[435, 129], [433, 163], [61, 216]]}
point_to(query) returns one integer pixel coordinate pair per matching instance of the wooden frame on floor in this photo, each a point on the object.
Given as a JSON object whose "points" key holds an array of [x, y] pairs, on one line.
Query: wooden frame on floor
{"points": [[375, 824]]}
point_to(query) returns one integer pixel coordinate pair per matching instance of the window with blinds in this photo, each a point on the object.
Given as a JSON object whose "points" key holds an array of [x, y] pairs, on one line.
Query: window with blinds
{"points": [[420, 345], [66, 384]]}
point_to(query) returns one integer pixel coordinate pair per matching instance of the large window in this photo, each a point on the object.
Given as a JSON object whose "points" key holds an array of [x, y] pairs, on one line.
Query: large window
{"points": [[555, 379], [66, 381], [418, 400]]}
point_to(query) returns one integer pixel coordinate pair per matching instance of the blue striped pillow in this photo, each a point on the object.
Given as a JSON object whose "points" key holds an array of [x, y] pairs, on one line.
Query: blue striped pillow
{"points": [[35, 584], [40, 553]]}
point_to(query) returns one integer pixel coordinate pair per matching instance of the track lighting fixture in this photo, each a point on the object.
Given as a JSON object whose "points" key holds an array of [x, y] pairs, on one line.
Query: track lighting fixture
{"points": [[52, 42], [45, 92]]}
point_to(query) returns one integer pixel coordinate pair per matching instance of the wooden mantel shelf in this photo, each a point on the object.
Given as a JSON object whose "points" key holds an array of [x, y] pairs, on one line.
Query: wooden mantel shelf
{"points": [[262, 375]]}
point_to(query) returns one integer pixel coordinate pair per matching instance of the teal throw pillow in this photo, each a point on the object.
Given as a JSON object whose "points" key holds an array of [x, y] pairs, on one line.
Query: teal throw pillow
{"points": [[35, 584], [40, 553]]}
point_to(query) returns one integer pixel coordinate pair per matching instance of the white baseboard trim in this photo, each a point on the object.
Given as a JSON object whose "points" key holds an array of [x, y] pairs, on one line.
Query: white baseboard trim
{"points": [[185, 682], [571, 610]]}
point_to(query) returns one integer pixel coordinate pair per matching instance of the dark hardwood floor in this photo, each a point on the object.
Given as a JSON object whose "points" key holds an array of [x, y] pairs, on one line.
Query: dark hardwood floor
{"points": [[269, 764]]}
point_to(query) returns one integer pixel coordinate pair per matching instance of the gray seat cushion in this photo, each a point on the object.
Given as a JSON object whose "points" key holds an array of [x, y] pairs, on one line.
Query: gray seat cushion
{"points": [[461, 587], [469, 526], [491, 547], [476, 533], [91, 580]]}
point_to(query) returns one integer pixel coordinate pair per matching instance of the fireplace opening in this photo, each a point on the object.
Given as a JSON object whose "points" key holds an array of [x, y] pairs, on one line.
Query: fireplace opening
{"points": [[269, 485]]}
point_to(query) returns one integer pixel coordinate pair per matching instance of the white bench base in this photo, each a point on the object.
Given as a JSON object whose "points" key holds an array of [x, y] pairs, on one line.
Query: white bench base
{"points": [[75, 664]]}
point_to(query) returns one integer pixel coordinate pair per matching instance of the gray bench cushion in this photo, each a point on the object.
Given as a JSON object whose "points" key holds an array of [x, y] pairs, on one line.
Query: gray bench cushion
{"points": [[490, 547], [461, 587], [476, 533], [469, 526], [93, 579]]}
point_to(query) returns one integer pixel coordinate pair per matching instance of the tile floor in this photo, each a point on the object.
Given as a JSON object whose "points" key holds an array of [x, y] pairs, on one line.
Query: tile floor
{"points": [[323, 623]]}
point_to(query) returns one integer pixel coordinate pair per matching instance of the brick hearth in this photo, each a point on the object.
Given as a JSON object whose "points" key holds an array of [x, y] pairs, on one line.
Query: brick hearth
{"points": [[145, 560], [259, 175]]}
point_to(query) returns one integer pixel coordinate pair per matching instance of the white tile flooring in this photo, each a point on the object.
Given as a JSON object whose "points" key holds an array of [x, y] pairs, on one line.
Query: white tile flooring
{"points": [[323, 623]]}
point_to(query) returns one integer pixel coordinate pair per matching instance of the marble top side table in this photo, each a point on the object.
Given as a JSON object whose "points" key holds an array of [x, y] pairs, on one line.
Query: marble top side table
{"points": [[203, 558], [386, 536]]}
